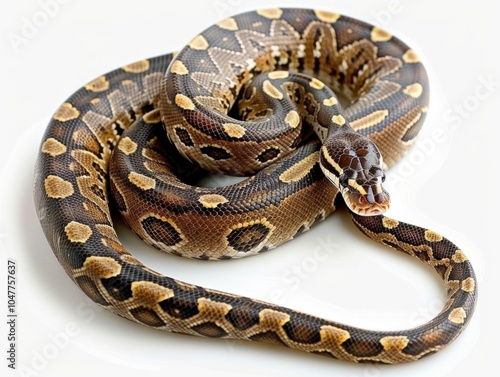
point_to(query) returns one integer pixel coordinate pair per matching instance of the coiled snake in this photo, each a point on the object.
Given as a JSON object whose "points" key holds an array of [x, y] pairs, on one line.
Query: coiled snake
{"points": [[278, 65]]}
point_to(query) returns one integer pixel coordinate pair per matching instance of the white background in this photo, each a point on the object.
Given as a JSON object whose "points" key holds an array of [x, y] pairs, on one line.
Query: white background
{"points": [[446, 183]]}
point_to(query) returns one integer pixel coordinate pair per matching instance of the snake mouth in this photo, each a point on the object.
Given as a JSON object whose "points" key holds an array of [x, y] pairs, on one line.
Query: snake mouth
{"points": [[366, 205]]}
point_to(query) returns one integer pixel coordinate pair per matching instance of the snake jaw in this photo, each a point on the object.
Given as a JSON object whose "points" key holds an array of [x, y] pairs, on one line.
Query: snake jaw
{"points": [[369, 204]]}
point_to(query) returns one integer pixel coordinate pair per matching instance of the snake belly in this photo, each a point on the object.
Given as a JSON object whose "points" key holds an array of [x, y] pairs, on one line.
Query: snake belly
{"points": [[119, 113]]}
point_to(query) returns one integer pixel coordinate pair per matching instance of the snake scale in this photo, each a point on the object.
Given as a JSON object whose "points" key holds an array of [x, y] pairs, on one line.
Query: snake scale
{"points": [[252, 95]]}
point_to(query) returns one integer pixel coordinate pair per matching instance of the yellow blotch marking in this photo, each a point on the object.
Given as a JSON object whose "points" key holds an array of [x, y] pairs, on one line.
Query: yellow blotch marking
{"points": [[271, 90], [278, 75], [459, 257], [432, 236], [370, 120], [330, 101], [77, 232], [413, 90], [380, 35], [66, 112], [389, 223], [179, 68], [234, 130], [316, 84], [299, 170], [95, 101], [334, 334], [325, 16], [149, 293], [214, 309], [273, 319], [228, 24], [394, 343], [272, 14], [410, 57], [127, 145], [212, 200], [184, 102], [142, 181], [137, 67], [457, 315], [102, 267], [338, 119], [58, 188], [468, 285], [199, 43], [100, 84], [292, 119], [53, 147]]}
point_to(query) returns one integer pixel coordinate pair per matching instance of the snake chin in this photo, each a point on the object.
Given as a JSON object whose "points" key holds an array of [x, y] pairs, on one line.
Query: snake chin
{"points": [[360, 205]]}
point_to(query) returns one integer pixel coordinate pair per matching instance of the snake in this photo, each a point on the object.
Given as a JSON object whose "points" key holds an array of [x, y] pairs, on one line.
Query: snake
{"points": [[310, 107]]}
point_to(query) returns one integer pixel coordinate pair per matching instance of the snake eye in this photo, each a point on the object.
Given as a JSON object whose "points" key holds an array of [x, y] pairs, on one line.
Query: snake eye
{"points": [[343, 179]]}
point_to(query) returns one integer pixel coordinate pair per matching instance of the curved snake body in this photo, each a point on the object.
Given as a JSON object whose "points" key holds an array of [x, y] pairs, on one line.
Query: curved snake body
{"points": [[122, 115]]}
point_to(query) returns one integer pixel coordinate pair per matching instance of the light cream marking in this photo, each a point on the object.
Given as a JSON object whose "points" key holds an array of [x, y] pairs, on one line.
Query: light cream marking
{"points": [[457, 315], [278, 74], [184, 102], [316, 84], [459, 257], [102, 267], [272, 14], [228, 24], [58, 188], [380, 35], [331, 161], [179, 68], [410, 57], [141, 181], [370, 120], [150, 294], [273, 319], [338, 119], [100, 84], [212, 200], [234, 130], [127, 145], [77, 232], [299, 170], [413, 90], [95, 101], [292, 119], [331, 333], [394, 343], [332, 101], [325, 16], [432, 236], [468, 285], [198, 43], [389, 223], [356, 186], [66, 112], [137, 67], [53, 147], [107, 231], [271, 90]]}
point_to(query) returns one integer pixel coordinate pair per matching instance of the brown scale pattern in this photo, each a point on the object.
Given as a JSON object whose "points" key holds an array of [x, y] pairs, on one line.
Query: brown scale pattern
{"points": [[118, 113]]}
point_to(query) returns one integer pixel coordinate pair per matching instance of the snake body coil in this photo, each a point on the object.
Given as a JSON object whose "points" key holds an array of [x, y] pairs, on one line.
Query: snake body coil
{"points": [[278, 66]]}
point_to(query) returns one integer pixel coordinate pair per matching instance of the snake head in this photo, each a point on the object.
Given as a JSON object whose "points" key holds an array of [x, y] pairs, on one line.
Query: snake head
{"points": [[353, 163]]}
